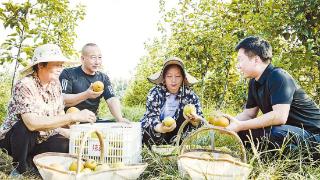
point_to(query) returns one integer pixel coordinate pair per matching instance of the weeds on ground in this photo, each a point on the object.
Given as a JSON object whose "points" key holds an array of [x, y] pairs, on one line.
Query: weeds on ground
{"points": [[267, 164], [6, 164], [159, 167], [283, 162], [279, 163]]}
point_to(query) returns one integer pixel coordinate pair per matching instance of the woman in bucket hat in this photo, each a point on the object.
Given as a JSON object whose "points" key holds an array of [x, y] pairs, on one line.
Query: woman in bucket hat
{"points": [[35, 111], [167, 99]]}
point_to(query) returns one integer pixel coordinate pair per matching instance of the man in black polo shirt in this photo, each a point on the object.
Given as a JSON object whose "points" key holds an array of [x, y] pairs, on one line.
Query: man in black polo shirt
{"points": [[287, 110], [77, 83]]}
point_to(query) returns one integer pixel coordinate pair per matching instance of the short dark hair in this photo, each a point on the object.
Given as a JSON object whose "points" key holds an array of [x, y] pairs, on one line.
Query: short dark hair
{"points": [[36, 68], [84, 48], [172, 65], [253, 45]]}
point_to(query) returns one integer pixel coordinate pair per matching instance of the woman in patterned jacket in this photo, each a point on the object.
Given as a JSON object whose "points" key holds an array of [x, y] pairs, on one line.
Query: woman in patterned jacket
{"points": [[167, 99], [35, 112]]}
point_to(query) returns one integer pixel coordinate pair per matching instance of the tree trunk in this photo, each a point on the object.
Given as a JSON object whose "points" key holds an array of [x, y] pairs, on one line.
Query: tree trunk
{"points": [[17, 60], [318, 87]]}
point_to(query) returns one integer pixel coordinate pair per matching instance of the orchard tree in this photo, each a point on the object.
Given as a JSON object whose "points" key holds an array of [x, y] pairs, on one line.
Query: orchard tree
{"points": [[32, 23], [204, 33]]}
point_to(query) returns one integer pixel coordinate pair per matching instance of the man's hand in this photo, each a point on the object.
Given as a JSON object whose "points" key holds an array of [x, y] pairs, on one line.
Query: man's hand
{"points": [[83, 116], [124, 120], [92, 94], [164, 129], [235, 124]]}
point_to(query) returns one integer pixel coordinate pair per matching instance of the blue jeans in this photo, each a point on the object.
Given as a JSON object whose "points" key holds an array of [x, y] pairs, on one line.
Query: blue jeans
{"points": [[277, 136]]}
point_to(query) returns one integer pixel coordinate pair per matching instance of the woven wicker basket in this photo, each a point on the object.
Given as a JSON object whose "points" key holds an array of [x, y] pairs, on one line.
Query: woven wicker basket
{"points": [[211, 162], [43, 161]]}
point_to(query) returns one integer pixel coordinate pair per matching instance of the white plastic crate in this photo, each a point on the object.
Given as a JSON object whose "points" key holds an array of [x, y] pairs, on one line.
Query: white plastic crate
{"points": [[123, 142]]}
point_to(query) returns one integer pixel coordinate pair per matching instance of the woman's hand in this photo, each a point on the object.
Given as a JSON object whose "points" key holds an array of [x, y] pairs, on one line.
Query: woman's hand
{"points": [[83, 116], [164, 129], [193, 118], [64, 132]]}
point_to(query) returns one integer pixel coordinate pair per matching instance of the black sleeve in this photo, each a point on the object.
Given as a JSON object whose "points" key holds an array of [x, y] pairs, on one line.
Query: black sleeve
{"points": [[251, 102], [66, 82], [108, 90], [282, 87]]}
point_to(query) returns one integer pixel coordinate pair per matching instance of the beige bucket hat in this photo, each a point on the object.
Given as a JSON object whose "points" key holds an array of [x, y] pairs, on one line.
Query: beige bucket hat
{"points": [[157, 78], [44, 53]]}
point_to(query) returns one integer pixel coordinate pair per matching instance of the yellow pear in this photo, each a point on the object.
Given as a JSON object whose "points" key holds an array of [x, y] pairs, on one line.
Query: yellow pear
{"points": [[217, 119], [210, 119], [222, 122], [73, 166], [189, 109], [90, 163], [102, 167], [97, 86], [168, 121], [86, 170], [72, 110]]}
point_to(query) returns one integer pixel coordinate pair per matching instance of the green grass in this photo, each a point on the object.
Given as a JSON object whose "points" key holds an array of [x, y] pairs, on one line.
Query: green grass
{"points": [[6, 166], [131, 113], [159, 167], [266, 164], [5, 94]]}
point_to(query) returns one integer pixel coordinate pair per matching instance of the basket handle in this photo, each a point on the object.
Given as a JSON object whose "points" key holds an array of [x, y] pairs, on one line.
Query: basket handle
{"points": [[225, 131], [83, 140], [185, 122]]}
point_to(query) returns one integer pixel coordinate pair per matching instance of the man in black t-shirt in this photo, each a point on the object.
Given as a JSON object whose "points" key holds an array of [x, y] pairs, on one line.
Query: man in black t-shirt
{"points": [[77, 83], [287, 110]]}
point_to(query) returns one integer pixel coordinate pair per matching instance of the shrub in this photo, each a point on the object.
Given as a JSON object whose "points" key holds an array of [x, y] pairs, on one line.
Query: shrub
{"points": [[5, 94]]}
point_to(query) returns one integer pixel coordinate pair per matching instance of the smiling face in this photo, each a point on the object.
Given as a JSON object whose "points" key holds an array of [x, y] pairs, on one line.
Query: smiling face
{"points": [[173, 78], [91, 59], [246, 64], [51, 71]]}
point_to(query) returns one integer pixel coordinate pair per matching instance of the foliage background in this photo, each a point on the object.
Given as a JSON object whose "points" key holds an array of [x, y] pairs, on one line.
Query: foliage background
{"points": [[205, 32], [30, 24]]}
